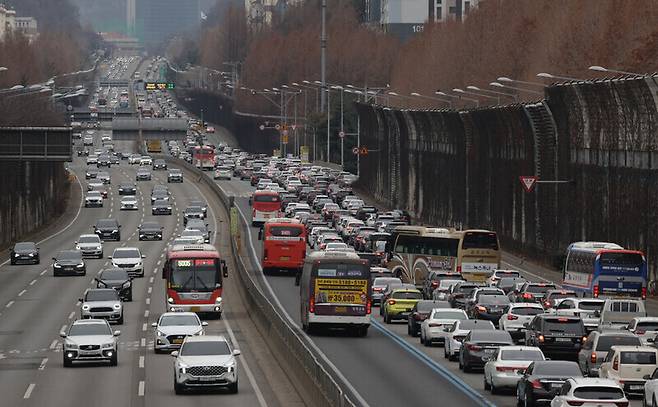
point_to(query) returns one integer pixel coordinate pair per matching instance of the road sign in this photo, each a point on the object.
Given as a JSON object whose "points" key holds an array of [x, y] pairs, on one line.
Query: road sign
{"points": [[262, 127], [355, 150], [278, 127], [363, 151], [528, 182], [341, 134], [294, 126]]}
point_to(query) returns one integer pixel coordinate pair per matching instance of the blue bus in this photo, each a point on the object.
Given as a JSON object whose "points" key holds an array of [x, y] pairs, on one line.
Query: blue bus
{"points": [[600, 269]]}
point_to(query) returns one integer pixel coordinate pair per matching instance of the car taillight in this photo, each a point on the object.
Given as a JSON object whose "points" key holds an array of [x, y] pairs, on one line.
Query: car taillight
{"points": [[644, 295], [592, 357], [640, 332], [547, 304], [508, 368], [536, 384], [575, 403], [435, 284], [378, 289], [622, 404], [527, 296], [458, 338], [265, 254], [471, 346], [369, 306], [481, 308], [595, 291], [511, 317], [459, 269], [391, 302], [311, 305]]}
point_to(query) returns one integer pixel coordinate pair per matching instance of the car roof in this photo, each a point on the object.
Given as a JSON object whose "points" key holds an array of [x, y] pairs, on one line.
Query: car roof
{"points": [[168, 314], [206, 338], [89, 321], [631, 348]]}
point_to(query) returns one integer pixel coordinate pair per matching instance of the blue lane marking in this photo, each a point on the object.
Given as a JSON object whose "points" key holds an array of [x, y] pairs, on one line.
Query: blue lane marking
{"points": [[436, 367]]}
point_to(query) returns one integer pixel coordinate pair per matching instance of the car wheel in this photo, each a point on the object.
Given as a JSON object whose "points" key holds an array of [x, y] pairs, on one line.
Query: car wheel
{"points": [[527, 400], [494, 389], [13, 263], [387, 318], [486, 383], [518, 397], [653, 402], [130, 297], [120, 320], [114, 360], [467, 368], [178, 388], [233, 387], [409, 331], [66, 362], [38, 260], [461, 365]]}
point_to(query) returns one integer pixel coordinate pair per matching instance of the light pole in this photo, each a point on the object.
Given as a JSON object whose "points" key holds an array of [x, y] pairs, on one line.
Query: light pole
{"points": [[509, 95], [464, 92], [598, 68], [500, 85], [461, 92], [509, 80], [547, 75], [342, 127], [449, 102], [323, 59]]}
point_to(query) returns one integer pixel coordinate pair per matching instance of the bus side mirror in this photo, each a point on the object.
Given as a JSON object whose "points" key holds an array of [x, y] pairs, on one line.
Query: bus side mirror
{"points": [[260, 234], [224, 269]]}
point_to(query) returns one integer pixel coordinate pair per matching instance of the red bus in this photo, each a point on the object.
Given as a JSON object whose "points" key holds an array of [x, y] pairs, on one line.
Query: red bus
{"points": [[264, 205], [284, 245], [203, 157], [194, 279]]}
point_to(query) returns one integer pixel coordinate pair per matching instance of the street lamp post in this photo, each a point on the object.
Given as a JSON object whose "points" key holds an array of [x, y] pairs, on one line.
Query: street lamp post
{"points": [[342, 126], [509, 80], [509, 95], [547, 75], [461, 92], [496, 98], [449, 102], [598, 68], [500, 85]]}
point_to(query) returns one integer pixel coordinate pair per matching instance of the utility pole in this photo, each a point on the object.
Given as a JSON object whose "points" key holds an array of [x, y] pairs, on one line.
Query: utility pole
{"points": [[323, 50], [342, 131], [328, 124]]}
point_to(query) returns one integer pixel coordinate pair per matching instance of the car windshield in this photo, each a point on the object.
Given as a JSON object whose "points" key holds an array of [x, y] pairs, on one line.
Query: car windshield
{"points": [[114, 275], [538, 289], [89, 329], [591, 305], [638, 358], [106, 224], [475, 324], [521, 354], [186, 320], [89, 239], [101, 295], [25, 246], [527, 310], [494, 299], [605, 342], [150, 225], [382, 281], [449, 314], [205, 348], [557, 368], [407, 295], [69, 255], [598, 393], [126, 254]]}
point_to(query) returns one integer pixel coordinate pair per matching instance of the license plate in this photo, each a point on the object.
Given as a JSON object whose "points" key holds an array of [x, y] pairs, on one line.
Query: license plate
{"points": [[556, 385], [562, 340], [341, 310], [177, 341], [206, 379], [284, 258], [636, 387], [196, 309]]}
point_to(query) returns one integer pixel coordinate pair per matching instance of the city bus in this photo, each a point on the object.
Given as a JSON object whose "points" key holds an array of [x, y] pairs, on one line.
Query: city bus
{"points": [[335, 292], [284, 245], [264, 205], [194, 279], [203, 157], [415, 251], [602, 269]]}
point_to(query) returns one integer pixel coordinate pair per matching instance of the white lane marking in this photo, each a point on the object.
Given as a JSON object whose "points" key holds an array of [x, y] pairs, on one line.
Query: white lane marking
{"points": [[148, 301], [140, 390], [53, 344], [29, 390], [159, 262], [43, 272], [67, 226], [43, 363], [142, 342], [152, 278], [63, 328], [141, 362], [9, 304], [72, 314], [144, 326], [150, 290], [21, 293], [33, 282], [146, 313]]}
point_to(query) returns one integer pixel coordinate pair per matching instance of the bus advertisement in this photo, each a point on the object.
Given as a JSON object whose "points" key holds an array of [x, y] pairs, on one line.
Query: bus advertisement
{"points": [[194, 279], [284, 245], [264, 205], [335, 292], [203, 157], [605, 270]]}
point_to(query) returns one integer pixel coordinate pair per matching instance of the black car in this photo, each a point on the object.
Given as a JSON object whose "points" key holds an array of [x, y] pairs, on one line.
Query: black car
{"points": [[143, 174], [509, 284], [192, 212], [201, 204], [531, 292], [479, 344], [127, 189], [91, 173], [69, 262], [460, 292], [83, 152], [420, 312], [159, 164], [556, 335], [24, 252], [161, 207], [150, 231], [118, 279], [108, 229], [489, 307], [542, 381], [364, 212]]}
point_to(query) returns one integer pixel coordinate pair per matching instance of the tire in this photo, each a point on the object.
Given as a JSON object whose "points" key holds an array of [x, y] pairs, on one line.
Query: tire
{"points": [[178, 388], [461, 365], [486, 384], [494, 389], [409, 331], [38, 260], [387, 318], [66, 362], [233, 387], [528, 401], [13, 263], [130, 298], [653, 402], [114, 360], [445, 353], [120, 320], [467, 368]]}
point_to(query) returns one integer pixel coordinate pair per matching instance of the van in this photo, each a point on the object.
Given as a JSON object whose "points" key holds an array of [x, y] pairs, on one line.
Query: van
{"points": [[618, 313], [630, 366]]}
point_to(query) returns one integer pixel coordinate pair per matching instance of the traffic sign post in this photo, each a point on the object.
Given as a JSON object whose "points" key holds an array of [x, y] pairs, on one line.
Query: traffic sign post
{"points": [[355, 150], [528, 182]]}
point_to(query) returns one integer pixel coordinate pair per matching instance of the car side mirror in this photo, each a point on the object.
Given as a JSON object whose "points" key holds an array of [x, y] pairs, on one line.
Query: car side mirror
{"points": [[224, 269], [116, 333], [174, 353], [81, 300], [143, 256], [260, 234], [109, 257], [54, 259], [647, 377], [62, 334], [236, 352], [204, 323]]}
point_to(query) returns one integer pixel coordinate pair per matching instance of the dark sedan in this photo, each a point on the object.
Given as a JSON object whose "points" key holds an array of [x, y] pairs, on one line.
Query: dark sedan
{"points": [[108, 229], [542, 381], [556, 335], [161, 207], [24, 252], [420, 312], [192, 212], [118, 279], [460, 292], [127, 189], [479, 345], [150, 231], [489, 307], [69, 262]]}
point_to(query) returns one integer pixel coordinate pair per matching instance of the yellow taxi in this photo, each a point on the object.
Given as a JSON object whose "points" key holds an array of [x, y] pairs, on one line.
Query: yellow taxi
{"points": [[400, 303]]}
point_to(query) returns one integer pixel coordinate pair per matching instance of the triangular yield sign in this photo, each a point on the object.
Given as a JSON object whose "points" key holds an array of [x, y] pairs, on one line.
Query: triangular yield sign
{"points": [[528, 182]]}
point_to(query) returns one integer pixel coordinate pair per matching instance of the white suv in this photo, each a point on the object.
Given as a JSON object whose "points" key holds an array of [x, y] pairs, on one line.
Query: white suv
{"points": [[90, 339], [129, 259], [205, 361]]}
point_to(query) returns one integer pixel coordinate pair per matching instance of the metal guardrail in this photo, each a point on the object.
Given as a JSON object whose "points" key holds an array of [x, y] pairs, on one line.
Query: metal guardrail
{"points": [[311, 371]]}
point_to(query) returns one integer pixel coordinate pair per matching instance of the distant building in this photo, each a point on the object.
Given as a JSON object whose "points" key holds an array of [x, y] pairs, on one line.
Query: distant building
{"points": [[27, 26], [261, 12], [157, 21], [7, 20], [404, 18]]}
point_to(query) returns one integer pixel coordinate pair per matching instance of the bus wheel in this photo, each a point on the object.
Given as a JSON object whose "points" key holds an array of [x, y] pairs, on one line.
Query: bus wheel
{"points": [[218, 315], [311, 329], [362, 331]]}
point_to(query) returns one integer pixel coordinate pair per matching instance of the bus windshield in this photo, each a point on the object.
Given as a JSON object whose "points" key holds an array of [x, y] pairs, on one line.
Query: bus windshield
{"points": [[431, 246], [194, 274]]}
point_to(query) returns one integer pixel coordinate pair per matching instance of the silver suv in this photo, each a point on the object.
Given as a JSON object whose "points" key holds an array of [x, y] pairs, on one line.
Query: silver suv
{"points": [[90, 246], [103, 303], [205, 361], [90, 339]]}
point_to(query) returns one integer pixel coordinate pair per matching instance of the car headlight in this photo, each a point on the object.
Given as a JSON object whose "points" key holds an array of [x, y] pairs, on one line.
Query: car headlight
{"points": [[218, 300], [85, 307], [16, 255], [31, 254], [107, 345], [99, 247], [170, 300], [231, 367], [57, 266], [159, 333], [117, 306], [81, 265], [115, 231], [182, 368], [77, 247], [70, 346]]}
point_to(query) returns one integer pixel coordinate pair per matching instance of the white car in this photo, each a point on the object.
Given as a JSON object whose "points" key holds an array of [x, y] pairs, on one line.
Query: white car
{"points": [[90, 245], [585, 308], [456, 333], [336, 246], [134, 159], [173, 327], [205, 361], [432, 329], [194, 234], [498, 274], [128, 203], [503, 367], [129, 259], [646, 328], [629, 366], [94, 198], [223, 173], [651, 390], [90, 339], [92, 160], [145, 160], [442, 292], [516, 317], [590, 392]]}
